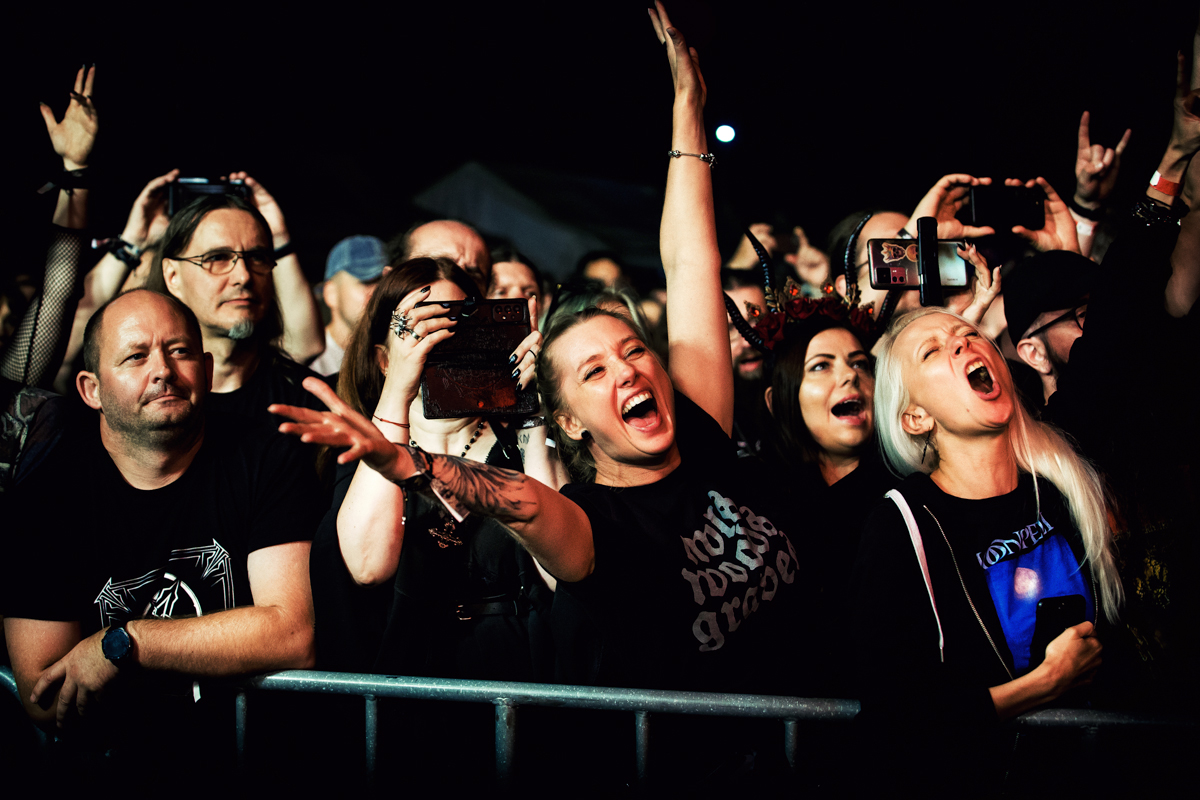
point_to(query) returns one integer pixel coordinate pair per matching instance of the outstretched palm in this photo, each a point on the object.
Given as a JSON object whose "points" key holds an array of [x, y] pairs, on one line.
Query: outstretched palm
{"points": [[74, 136]]}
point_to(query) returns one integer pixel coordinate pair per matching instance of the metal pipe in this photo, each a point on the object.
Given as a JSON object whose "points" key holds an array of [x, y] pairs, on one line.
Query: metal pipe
{"points": [[791, 741], [641, 727], [593, 697], [506, 741], [372, 735], [240, 723]]}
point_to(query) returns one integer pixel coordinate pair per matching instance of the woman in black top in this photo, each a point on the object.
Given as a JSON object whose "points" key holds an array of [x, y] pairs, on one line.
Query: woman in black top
{"points": [[399, 586], [1011, 524], [675, 552]]}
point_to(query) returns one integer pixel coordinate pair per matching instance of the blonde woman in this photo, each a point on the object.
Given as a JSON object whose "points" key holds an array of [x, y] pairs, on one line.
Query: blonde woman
{"points": [[984, 576]]}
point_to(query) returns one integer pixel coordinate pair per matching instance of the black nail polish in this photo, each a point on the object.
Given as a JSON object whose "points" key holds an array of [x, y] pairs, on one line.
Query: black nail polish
{"points": [[454, 318], [516, 372], [512, 359], [426, 289]]}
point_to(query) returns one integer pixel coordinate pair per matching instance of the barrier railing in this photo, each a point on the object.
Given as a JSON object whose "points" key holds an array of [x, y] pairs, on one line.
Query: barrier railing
{"points": [[509, 697]]}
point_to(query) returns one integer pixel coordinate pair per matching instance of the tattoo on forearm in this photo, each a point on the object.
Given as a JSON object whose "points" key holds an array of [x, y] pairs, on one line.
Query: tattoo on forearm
{"points": [[480, 488]]}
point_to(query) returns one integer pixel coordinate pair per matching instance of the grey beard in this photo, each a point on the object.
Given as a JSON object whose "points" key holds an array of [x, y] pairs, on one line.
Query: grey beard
{"points": [[242, 330]]}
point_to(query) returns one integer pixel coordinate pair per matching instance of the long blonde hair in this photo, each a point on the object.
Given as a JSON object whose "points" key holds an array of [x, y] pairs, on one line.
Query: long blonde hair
{"points": [[1039, 449]]}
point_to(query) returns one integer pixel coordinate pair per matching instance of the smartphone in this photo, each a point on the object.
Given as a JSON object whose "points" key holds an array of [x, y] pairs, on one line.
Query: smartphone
{"points": [[1054, 615], [468, 375], [1002, 207], [182, 191], [893, 264]]}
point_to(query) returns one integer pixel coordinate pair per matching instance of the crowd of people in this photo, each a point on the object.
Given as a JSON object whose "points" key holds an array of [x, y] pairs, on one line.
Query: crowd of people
{"points": [[766, 476]]}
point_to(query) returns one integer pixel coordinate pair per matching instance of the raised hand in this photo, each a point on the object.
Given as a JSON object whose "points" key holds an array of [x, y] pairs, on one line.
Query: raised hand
{"points": [[684, 60], [526, 355], [744, 257], [1096, 166], [266, 204], [74, 136], [415, 331], [987, 284], [1059, 231], [148, 218], [943, 201], [339, 427]]}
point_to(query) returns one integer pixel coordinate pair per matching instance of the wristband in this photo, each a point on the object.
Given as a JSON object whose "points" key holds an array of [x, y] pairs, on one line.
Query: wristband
{"points": [[120, 249], [1169, 188], [286, 250], [1078, 210], [68, 180], [1085, 227]]}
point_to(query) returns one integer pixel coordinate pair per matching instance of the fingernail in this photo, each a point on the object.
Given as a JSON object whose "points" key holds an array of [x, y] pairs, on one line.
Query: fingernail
{"points": [[447, 305], [453, 317], [512, 359], [427, 288], [516, 372]]}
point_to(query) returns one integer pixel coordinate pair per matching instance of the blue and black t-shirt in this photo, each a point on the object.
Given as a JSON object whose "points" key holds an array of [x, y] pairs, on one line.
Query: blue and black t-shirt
{"points": [[1015, 552]]}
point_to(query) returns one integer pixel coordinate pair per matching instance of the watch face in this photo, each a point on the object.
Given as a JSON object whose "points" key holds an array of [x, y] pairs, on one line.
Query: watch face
{"points": [[115, 644]]}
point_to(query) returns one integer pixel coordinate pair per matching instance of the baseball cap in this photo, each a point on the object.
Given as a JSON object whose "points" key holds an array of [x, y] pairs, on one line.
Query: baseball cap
{"points": [[361, 256], [1049, 281]]}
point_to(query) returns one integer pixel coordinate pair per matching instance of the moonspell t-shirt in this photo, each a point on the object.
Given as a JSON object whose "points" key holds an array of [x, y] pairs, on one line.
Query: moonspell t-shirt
{"points": [[695, 574]]}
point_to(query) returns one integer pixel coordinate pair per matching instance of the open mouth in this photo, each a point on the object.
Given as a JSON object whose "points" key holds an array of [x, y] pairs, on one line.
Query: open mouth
{"points": [[849, 409], [979, 377], [640, 411]]}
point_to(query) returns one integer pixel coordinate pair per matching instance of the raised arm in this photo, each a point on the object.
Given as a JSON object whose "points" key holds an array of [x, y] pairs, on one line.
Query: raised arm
{"points": [[303, 332], [700, 362], [35, 351], [1183, 287], [145, 226], [553, 529]]}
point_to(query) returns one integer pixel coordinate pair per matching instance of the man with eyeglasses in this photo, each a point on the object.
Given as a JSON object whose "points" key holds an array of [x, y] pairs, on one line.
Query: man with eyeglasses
{"points": [[1045, 306], [217, 257]]}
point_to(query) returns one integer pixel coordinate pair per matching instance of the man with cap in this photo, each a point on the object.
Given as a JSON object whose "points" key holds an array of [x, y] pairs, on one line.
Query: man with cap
{"points": [[1045, 306], [354, 267]]}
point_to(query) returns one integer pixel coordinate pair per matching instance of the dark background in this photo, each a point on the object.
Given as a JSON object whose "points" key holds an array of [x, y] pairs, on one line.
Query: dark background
{"points": [[345, 113]]}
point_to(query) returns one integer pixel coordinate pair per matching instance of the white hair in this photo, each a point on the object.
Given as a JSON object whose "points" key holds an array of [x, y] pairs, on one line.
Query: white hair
{"points": [[1039, 449]]}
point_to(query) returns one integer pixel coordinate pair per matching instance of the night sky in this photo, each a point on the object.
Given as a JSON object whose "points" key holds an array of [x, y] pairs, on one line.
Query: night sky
{"points": [[345, 114]]}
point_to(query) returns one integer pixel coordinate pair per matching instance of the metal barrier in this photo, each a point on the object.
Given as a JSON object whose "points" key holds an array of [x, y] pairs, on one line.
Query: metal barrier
{"points": [[508, 697]]}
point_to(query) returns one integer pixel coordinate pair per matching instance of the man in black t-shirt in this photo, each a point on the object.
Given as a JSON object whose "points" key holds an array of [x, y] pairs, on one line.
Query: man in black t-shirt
{"points": [[170, 546]]}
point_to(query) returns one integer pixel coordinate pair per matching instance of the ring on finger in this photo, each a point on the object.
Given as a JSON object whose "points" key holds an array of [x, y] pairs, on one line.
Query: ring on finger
{"points": [[400, 325]]}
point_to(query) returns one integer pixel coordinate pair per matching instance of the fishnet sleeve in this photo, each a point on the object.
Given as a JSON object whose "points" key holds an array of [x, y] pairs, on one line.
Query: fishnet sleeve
{"points": [[37, 349]]}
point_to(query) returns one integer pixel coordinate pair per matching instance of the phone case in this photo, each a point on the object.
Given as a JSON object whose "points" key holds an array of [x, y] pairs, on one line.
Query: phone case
{"points": [[469, 375]]}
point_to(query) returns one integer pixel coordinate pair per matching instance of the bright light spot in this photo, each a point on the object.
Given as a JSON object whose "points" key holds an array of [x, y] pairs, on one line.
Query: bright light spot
{"points": [[725, 133]]}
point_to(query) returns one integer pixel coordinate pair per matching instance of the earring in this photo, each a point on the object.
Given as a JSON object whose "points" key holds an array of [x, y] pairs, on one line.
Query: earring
{"points": [[925, 449]]}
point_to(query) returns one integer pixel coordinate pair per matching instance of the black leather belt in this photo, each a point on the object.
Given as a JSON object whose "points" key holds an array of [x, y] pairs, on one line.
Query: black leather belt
{"points": [[466, 611]]}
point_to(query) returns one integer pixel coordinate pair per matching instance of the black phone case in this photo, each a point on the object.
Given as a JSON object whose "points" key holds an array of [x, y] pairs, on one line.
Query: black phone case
{"points": [[1054, 615], [1003, 207], [468, 375]]}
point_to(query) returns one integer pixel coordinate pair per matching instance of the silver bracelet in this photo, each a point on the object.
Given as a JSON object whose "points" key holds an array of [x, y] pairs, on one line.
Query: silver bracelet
{"points": [[707, 158]]}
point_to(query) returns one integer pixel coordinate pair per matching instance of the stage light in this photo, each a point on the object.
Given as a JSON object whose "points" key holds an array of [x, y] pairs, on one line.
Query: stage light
{"points": [[725, 133]]}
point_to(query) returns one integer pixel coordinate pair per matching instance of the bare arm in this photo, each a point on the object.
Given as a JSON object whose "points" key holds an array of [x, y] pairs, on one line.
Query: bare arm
{"points": [[275, 633], [145, 226], [1183, 287], [554, 530], [1071, 660], [303, 332], [33, 355], [700, 362]]}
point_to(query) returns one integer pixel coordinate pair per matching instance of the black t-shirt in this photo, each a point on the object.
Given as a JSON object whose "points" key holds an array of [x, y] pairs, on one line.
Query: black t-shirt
{"points": [[409, 625], [277, 379], [1008, 556], [99, 551], [694, 578]]}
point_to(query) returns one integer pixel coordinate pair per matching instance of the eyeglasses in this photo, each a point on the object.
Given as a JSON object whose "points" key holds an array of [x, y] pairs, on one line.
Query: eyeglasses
{"points": [[1078, 313], [220, 262]]}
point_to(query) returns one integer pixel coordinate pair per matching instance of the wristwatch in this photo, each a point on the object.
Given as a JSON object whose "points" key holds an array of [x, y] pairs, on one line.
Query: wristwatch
{"points": [[117, 646]]}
